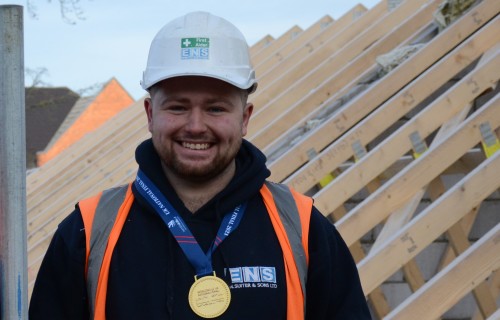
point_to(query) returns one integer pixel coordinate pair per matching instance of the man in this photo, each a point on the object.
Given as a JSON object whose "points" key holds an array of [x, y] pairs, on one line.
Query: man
{"points": [[199, 233]]}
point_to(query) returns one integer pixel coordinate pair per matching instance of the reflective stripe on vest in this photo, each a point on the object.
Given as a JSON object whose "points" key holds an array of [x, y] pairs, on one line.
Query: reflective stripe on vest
{"points": [[110, 218], [289, 212]]}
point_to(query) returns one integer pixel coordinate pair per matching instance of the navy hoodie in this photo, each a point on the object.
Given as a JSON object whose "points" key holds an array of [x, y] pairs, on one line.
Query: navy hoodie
{"points": [[150, 276]]}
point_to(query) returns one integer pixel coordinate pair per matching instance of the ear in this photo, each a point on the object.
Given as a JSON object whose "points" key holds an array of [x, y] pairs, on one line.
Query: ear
{"points": [[148, 107], [247, 113]]}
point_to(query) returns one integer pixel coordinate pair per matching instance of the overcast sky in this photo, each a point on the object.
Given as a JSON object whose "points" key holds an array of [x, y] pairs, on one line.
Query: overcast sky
{"points": [[114, 37]]}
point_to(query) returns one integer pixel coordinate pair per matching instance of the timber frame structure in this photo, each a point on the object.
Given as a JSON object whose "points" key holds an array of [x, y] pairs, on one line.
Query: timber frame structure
{"points": [[396, 158]]}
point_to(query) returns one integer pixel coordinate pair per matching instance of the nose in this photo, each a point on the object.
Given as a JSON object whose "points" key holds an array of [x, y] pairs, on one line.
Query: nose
{"points": [[196, 121]]}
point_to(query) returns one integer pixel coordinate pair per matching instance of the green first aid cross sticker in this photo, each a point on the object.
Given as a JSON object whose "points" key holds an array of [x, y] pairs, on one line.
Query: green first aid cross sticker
{"points": [[195, 42]]}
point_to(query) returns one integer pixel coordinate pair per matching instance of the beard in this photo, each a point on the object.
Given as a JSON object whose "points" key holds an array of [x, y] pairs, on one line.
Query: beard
{"points": [[197, 171]]}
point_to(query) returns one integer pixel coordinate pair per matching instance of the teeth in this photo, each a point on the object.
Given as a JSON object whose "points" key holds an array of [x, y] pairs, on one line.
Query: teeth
{"points": [[195, 146]]}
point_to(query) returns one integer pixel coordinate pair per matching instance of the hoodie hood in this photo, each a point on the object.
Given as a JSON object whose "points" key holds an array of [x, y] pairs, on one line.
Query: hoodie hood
{"points": [[250, 174]]}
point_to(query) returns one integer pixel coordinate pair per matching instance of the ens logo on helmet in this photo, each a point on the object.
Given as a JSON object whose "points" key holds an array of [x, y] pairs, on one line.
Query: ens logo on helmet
{"points": [[195, 48]]}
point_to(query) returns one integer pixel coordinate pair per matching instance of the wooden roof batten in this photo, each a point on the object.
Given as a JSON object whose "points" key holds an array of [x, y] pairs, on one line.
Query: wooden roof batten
{"points": [[374, 209], [283, 87], [366, 162], [380, 92], [283, 51], [344, 82], [322, 81]]}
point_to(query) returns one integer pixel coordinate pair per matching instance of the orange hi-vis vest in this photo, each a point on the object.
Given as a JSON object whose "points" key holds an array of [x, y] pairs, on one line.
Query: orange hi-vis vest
{"points": [[289, 211]]}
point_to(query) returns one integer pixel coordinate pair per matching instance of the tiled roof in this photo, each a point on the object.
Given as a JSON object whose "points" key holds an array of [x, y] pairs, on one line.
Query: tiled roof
{"points": [[46, 109], [87, 114], [78, 108]]}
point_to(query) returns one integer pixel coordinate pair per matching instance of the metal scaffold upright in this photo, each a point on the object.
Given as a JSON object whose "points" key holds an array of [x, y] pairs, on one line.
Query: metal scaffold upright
{"points": [[13, 256]]}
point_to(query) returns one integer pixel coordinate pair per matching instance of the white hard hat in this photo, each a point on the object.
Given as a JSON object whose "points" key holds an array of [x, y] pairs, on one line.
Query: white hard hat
{"points": [[200, 44]]}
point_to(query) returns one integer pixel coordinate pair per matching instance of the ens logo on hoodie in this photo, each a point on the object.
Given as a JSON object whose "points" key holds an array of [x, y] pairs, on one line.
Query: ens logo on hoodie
{"points": [[252, 277]]}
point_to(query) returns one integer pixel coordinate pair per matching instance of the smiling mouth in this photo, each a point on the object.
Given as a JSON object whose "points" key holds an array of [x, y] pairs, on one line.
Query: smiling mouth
{"points": [[196, 146]]}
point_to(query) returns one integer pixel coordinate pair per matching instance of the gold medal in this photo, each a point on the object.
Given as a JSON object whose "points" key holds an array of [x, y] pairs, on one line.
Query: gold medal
{"points": [[209, 297]]}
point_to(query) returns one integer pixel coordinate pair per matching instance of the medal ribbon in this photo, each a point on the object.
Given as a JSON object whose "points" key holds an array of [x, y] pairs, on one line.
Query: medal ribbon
{"points": [[202, 262]]}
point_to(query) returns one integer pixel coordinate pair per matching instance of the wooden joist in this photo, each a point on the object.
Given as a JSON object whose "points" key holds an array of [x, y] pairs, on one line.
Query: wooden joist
{"points": [[399, 143], [393, 83], [456, 280], [288, 36], [261, 44], [81, 150], [268, 61], [458, 239], [325, 40], [291, 83], [337, 74], [494, 284], [420, 172], [272, 68]]}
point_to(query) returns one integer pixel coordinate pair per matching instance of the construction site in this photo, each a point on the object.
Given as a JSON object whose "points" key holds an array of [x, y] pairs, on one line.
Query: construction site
{"points": [[388, 117]]}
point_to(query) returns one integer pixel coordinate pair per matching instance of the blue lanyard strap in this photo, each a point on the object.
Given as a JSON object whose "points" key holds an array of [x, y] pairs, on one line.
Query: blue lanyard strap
{"points": [[199, 260]]}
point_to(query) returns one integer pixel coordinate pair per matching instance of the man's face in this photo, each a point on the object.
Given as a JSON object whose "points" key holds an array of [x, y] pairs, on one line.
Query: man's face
{"points": [[197, 125]]}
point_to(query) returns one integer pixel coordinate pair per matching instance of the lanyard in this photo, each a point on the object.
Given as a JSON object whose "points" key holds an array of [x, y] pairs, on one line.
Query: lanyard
{"points": [[199, 260]]}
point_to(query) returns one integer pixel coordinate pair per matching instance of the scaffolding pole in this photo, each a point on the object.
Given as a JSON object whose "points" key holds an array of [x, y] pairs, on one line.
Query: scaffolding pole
{"points": [[13, 252]]}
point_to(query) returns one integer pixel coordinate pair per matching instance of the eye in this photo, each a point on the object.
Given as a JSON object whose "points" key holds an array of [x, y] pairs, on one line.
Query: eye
{"points": [[216, 109], [176, 108]]}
